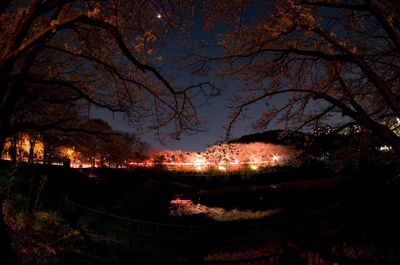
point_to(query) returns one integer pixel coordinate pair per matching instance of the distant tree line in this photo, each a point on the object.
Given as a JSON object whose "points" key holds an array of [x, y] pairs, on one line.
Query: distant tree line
{"points": [[349, 147], [226, 157], [103, 147]]}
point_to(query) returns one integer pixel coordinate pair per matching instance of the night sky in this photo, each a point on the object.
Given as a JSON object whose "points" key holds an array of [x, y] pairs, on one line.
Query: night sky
{"points": [[215, 113], [216, 116]]}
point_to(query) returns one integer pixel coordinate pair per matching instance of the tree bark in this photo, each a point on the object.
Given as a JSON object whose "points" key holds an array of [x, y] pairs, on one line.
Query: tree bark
{"points": [[31, 152], [45, 150], [45, 156], [2, 142], [7, 253], [13, 151]]}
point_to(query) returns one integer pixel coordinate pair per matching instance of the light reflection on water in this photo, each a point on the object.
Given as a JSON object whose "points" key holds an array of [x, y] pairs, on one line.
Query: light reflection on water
{"points": [[180, 207]]}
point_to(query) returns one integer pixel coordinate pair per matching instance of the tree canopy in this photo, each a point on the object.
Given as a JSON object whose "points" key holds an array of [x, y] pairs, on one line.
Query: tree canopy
{"points": [[59, 58], [328, 59], [332, 62]]}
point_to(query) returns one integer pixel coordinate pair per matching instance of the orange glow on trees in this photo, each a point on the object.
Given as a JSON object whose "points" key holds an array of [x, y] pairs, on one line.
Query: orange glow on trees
{"points": [[23, 147], [226, 157], [199, 162]]}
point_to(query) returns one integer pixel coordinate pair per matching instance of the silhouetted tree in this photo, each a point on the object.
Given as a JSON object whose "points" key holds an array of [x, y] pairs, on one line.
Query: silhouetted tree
{"points": [[58, 58], [330, 58]]}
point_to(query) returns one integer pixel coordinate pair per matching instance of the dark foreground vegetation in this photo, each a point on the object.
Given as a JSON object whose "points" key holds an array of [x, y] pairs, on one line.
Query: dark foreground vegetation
{"points": [[58, 215]]}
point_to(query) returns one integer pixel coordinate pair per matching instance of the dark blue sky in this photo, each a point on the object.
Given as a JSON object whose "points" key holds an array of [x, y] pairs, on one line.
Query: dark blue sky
{"points": [[215, 113]]}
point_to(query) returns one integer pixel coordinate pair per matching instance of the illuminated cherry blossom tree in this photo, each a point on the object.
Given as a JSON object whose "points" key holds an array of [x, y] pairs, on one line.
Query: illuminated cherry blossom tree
{"points": [[227, 157]]}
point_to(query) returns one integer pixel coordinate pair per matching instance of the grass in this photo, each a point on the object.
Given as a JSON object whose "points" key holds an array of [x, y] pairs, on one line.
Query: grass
{"points": [[364, 228]]}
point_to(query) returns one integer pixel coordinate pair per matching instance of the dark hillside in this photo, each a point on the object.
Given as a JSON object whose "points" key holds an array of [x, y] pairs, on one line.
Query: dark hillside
{"points": [[282, 137]]}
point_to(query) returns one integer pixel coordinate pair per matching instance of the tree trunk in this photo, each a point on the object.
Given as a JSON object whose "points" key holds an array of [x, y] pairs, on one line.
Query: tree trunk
{"points": [[7, 253], [31, 152], [13, 151], [2, 142], [45, 150], [44, 156]]}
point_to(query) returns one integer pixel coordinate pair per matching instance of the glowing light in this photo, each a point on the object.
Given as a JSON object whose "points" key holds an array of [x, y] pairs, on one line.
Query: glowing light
{"points": [[180, 202], [385, 148], [253, 167], [197, 167], [199, 163], [159, 16], [221, 168], [275, 158], [224, 157], [25, 145], [69, 152]]}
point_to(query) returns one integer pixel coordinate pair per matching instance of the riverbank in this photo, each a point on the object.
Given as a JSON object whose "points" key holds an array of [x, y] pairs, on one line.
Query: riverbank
{"points": [[357, 226]]}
